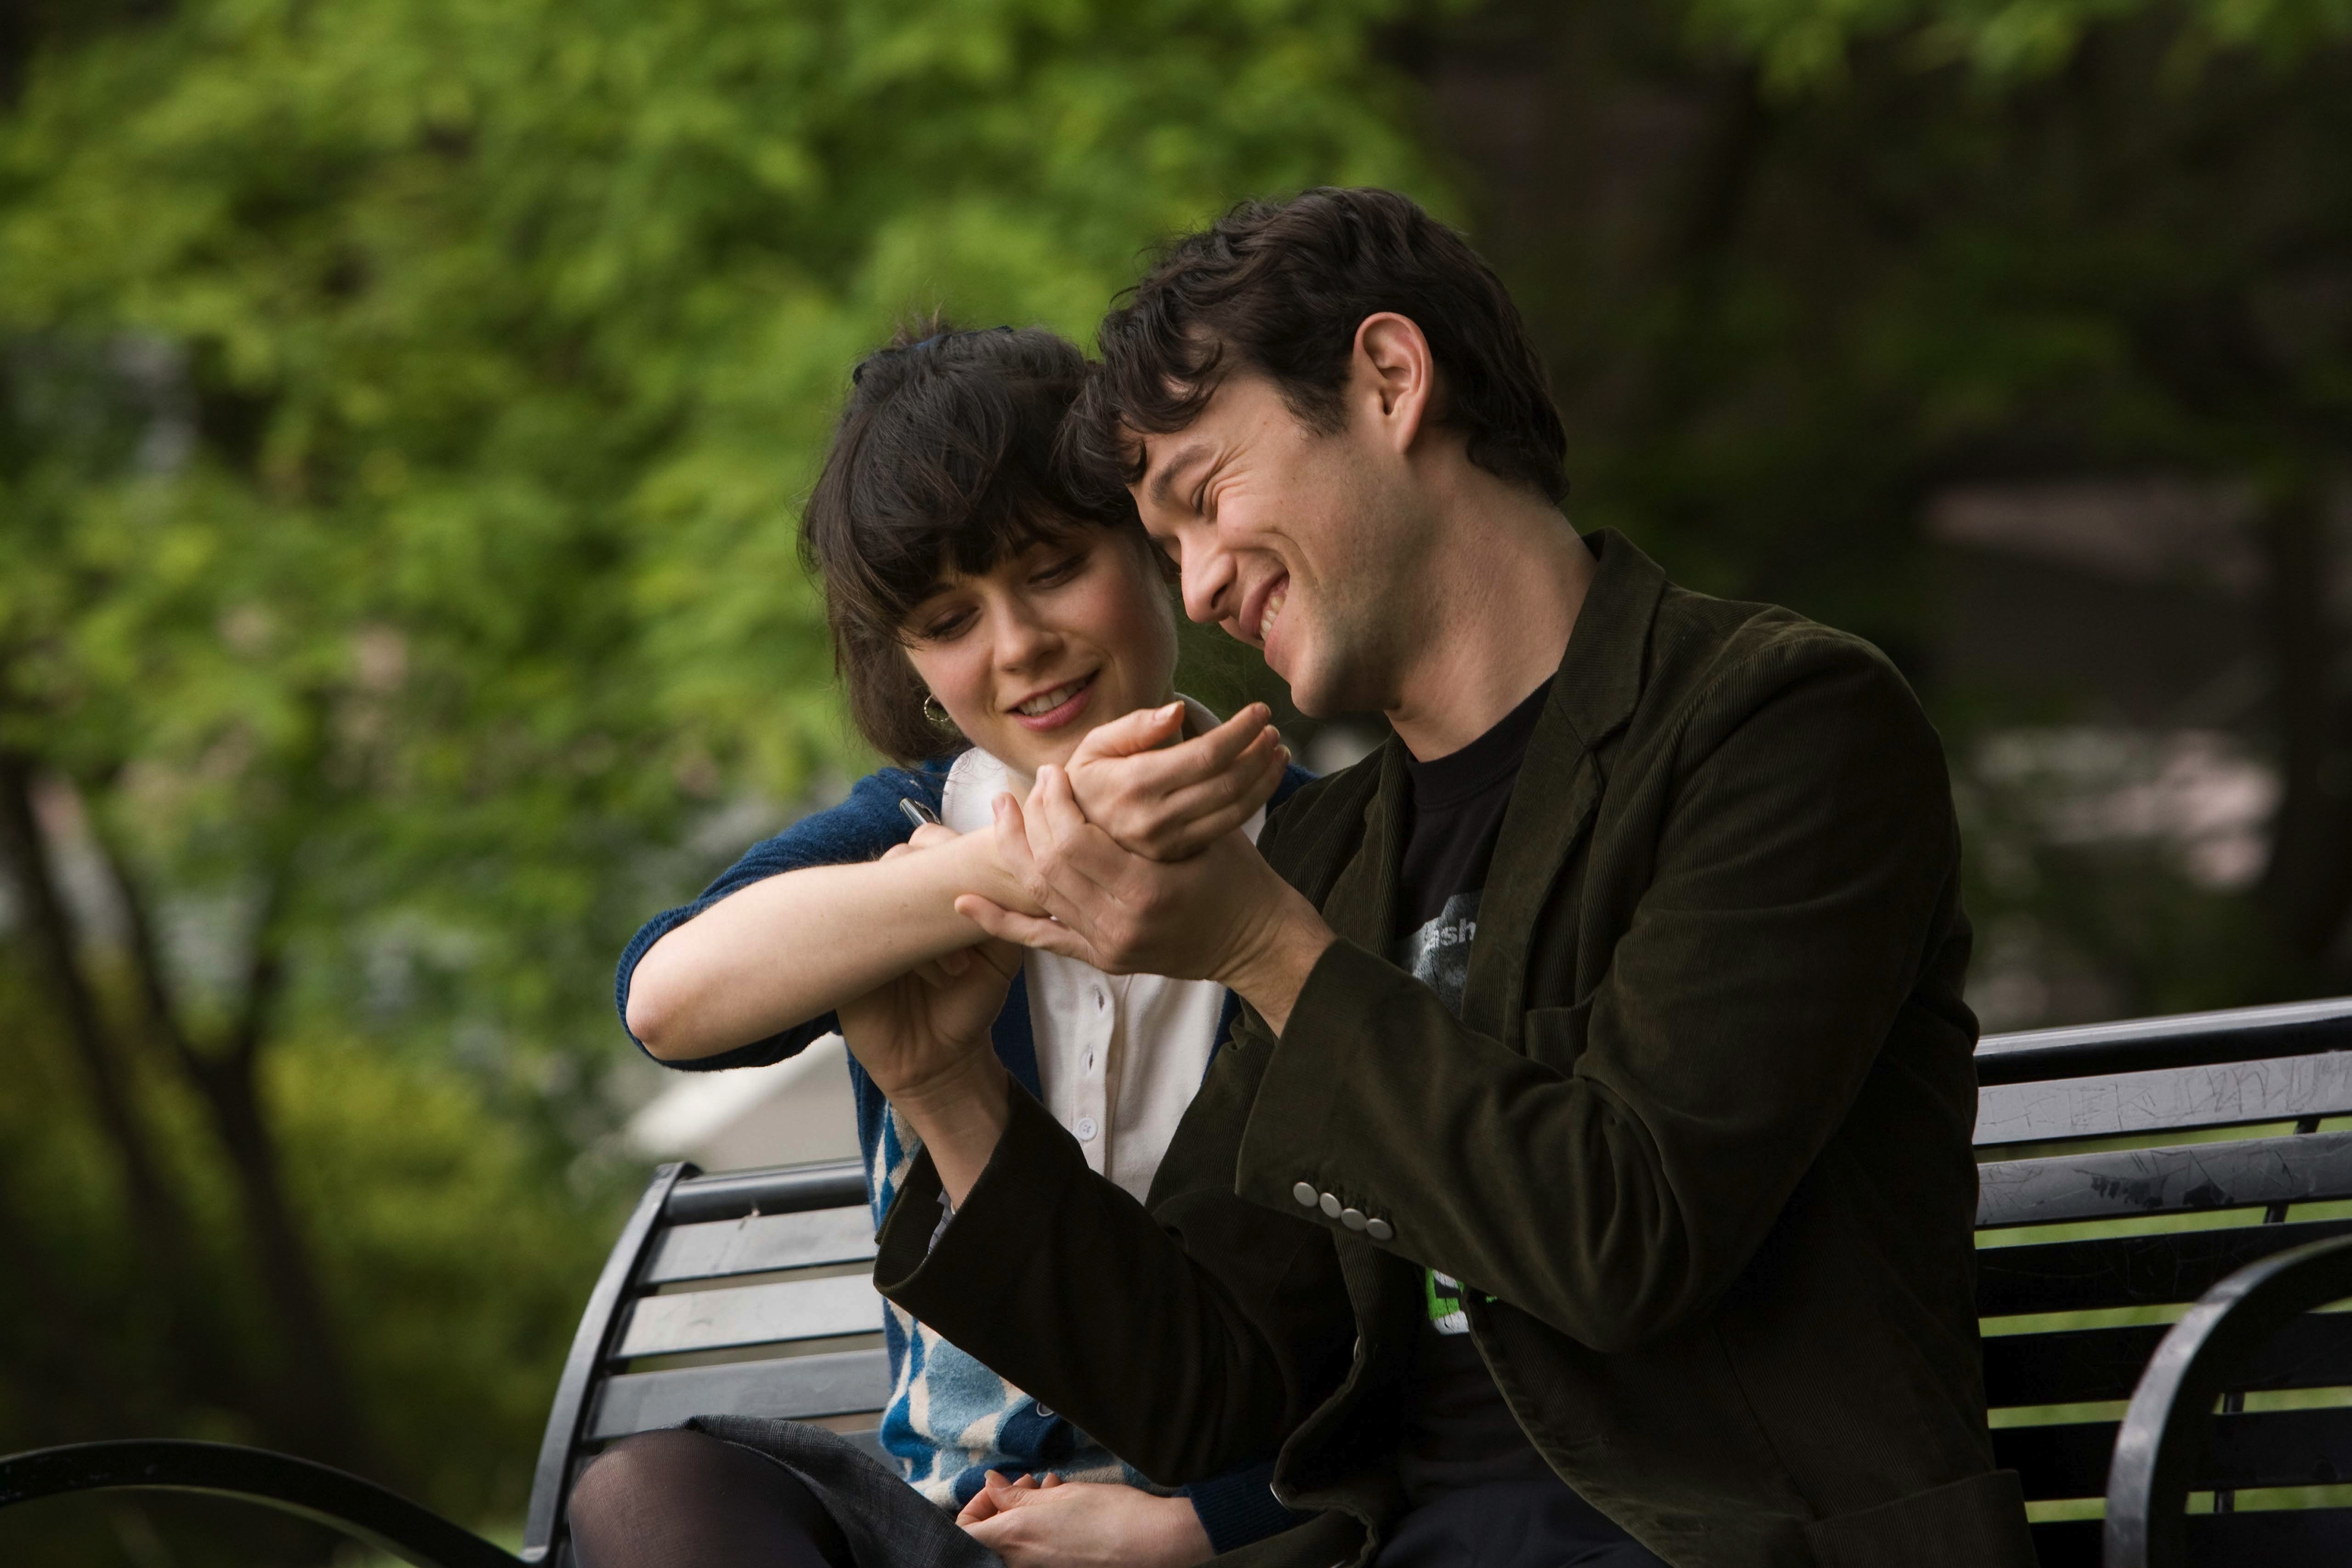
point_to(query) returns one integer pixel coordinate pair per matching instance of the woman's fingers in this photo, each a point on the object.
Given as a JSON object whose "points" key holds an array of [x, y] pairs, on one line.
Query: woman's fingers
{"points": [[994, 1495]]}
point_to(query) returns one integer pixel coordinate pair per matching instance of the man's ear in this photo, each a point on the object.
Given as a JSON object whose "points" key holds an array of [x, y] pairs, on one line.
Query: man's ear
{"points": [[1394, 376]]}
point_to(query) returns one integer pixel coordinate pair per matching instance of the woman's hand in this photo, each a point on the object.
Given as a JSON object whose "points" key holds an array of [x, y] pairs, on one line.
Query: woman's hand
{"points": [[1168, 799], [918, 1034], [1083, 1524]]}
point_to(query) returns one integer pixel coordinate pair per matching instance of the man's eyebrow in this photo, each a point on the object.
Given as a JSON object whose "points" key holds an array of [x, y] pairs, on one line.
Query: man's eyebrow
{"points": [[1163, 484]]}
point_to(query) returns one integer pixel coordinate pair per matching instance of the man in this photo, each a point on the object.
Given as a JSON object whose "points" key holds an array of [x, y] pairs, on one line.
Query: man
{"points": [[1588, 1179]]}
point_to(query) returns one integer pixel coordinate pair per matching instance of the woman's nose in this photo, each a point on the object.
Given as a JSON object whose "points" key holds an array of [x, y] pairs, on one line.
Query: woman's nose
{"points": [[1021, 639]]}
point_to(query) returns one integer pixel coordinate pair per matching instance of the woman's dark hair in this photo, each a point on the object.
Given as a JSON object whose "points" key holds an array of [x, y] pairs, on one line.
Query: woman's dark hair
{"points": [[1280, 287], [945, 457]]}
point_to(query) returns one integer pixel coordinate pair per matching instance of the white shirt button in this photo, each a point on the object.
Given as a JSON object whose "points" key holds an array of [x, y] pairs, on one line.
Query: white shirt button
{"points": [[1304, 1193], [1087, 1128], [1378, 1229]]}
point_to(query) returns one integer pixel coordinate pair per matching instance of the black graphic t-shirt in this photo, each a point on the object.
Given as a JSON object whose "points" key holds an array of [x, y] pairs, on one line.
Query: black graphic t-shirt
{"points": [[1458, 1432]]}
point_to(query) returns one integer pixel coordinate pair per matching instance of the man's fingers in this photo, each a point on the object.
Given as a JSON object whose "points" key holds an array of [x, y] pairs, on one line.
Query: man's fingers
{"points": [[1027, 931], [1189, 762], [1052, 804], [1145, 730], [1245, 786]]}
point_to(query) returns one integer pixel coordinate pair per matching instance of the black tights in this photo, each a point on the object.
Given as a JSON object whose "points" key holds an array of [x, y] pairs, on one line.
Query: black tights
{"points": [[685, 1500]]}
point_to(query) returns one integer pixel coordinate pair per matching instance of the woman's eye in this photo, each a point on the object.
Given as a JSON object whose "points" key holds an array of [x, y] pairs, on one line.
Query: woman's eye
{"points": [[944, 628], [1060, 571]]}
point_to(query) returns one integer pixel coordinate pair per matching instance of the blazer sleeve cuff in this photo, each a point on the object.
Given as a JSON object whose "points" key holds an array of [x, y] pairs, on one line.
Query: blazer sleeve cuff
{"points": [[1291, 1156], [938, 1271], [1238, 1508]]}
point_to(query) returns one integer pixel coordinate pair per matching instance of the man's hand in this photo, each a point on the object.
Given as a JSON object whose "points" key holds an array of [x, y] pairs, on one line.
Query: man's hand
{"points": [[1083, 1524], [1167, 800], [1222, 915]]}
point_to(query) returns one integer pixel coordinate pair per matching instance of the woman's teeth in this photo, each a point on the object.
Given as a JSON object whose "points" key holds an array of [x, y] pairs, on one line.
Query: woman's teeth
{"points": [[1048, 702]]}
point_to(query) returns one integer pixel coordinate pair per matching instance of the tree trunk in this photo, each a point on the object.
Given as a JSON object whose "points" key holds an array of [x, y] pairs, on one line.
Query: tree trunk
{"points": [[159, 1226], [317, 1410]]}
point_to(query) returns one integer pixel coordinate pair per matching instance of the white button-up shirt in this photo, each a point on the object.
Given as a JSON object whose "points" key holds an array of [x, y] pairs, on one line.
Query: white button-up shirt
{"points": [[1119, 1055]]}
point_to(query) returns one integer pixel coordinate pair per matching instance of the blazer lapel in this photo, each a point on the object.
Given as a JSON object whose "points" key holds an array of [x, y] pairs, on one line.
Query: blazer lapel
{"points": [[1361, 905], [1560, 779]]}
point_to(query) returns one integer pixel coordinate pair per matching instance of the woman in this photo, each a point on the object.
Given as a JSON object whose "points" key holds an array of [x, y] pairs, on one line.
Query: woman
{"points": [[987, 620]]}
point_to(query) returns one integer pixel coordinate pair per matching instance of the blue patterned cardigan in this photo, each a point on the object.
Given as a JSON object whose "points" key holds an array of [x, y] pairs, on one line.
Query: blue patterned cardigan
{"points": [[935, 1388]]}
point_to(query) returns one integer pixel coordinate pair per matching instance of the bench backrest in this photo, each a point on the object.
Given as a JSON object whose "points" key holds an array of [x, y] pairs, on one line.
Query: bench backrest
{"points": [[748, 1293], [2124, 1169]]}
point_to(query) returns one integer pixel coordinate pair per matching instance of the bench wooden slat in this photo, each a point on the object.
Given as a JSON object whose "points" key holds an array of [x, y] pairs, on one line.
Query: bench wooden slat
{"points": [[2263, 1448], [759, 1243], [2075, 1366], [2306, 1168], [751, 1315], [2277, 1089], [844, 1383], [2129, 1270]]}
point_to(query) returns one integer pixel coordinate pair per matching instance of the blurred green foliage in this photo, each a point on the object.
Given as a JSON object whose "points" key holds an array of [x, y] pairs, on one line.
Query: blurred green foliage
{"points": [[403, 409]]}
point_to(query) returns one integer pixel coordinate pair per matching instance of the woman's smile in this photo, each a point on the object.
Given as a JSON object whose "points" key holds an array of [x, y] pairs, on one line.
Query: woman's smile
{"points": [[1057, 706]]}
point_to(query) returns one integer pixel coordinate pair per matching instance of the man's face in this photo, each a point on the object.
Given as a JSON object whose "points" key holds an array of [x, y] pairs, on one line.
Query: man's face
{"points": [[1299, 544]]}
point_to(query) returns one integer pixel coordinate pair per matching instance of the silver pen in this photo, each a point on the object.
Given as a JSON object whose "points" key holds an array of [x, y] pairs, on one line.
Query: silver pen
{"points": [[919, 815]]}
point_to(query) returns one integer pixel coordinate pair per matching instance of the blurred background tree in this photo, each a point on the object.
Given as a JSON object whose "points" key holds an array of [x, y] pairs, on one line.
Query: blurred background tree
{"points": [[404, 405]]}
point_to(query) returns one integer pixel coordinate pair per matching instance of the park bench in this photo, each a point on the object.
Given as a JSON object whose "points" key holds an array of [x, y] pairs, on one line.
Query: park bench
{"points": [[2131, 1172]]}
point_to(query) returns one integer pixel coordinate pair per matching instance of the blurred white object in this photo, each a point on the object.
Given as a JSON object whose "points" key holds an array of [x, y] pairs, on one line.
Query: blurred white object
{"points": [[791, 1113]]}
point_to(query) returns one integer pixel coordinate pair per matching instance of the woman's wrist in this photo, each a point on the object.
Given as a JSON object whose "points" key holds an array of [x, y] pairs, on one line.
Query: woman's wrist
{"points": [[983, 871]]}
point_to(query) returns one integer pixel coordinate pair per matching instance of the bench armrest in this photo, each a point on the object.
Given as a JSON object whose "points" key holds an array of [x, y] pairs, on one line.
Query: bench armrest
{"points": [[362, 1509], [2169, 1424]]}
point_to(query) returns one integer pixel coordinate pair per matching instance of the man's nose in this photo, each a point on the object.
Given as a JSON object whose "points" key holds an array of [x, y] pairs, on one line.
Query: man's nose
{"points": [[1206, 574]]}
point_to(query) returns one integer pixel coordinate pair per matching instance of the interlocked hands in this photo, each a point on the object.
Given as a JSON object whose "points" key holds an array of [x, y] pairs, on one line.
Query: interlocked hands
{"points": [[1083, 1524]]}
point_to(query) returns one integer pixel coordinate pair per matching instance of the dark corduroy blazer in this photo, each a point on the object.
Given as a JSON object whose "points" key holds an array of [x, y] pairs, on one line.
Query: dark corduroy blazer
{"points": [[1700, 1143]]}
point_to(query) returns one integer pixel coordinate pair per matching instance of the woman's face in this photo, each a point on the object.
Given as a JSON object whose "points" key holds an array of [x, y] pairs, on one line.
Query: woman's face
{"points": [[1029, 655]]}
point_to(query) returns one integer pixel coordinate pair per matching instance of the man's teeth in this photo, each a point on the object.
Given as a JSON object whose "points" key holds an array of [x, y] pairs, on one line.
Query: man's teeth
{"points": [[1050, 701], [1274, 603]]}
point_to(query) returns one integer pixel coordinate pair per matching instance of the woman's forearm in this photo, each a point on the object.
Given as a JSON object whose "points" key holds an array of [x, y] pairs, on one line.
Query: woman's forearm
{"points": [[795, 946]]}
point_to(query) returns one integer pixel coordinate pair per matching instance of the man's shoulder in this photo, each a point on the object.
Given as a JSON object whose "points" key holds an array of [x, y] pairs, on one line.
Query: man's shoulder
{"points": [[1706, 652]]}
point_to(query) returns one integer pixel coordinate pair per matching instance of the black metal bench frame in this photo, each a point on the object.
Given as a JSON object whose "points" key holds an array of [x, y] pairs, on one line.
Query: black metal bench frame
{"points": [[2250, 1324]]}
